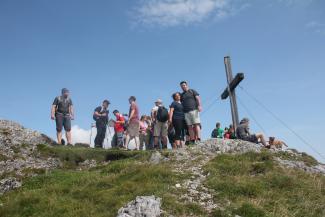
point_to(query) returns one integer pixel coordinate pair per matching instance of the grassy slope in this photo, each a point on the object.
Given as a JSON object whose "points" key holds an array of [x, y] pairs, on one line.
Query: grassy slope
{"points": [[100, 191], [253, 184], [256, 186]]}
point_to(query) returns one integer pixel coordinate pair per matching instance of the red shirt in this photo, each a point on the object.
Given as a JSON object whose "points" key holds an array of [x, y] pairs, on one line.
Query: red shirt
{"points": [[118, 127]]}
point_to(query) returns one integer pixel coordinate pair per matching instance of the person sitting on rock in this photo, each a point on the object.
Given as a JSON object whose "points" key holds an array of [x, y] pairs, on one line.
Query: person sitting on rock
{"points": [[243, 133], [226, 135], [232, 132], [217, 133]]}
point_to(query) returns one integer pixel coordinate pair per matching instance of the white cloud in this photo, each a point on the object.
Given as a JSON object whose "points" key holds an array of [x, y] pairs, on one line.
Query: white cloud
{"points": [[316, 27], [169, 13], [183, 12], [87, 136]]}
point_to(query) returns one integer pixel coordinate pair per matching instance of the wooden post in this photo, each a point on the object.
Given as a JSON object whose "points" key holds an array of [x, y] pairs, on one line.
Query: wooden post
{"points": [[232, 93]]}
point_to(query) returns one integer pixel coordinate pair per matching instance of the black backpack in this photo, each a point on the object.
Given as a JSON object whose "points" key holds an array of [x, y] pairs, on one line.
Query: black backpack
{"points": [[162, 114], [105, 119]]}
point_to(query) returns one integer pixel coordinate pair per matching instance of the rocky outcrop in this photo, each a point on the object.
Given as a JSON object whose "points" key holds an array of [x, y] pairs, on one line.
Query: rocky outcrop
{"points": [[221, 146], [318, 169], [19, 156], [143, 206], [12, 133], [157, 158], [9, 184]]}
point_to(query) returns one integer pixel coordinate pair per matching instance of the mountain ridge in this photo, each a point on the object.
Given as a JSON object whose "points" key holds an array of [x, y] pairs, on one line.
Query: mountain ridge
{"points": [[214, 178]]}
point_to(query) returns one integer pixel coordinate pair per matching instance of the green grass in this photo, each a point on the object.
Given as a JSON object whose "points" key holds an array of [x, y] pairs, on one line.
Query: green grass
{"points": [[98, 192], [256, 186], [248, 185], [72, 156]]}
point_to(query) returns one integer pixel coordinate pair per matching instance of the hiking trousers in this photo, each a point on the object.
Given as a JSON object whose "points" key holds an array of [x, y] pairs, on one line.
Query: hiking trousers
{"points": [[101, 133]]}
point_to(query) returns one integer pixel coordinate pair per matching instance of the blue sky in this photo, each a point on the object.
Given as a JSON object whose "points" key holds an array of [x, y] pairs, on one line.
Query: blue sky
{"points": [[113, 49]]}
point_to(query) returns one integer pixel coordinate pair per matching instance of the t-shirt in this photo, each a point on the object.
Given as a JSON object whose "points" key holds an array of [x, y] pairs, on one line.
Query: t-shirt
{"points": [[217, 133], [143, 127], [101, 110], [189, 101], [119, 127], [62, 104], [154, 111], [136, 116], [178, 113], [242, 132]]}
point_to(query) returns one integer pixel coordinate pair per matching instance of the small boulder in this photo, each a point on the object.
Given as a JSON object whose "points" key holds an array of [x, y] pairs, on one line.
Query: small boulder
{"points": [[155, 158], [9, 184], [142, 206]]}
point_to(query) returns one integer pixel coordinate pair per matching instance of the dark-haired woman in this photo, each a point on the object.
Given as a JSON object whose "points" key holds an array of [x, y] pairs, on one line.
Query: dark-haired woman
{"points": [[177, 119]]}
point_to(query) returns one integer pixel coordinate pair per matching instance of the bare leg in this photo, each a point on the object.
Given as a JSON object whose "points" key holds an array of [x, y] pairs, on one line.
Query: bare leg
{"points": [[137, 142], [164, 141], [191, 132], [127, 141], [141, 138], [197, 129], [261, 137], [68, 135], [59, 137], [176, 144], [182, 144], [156, 142]]}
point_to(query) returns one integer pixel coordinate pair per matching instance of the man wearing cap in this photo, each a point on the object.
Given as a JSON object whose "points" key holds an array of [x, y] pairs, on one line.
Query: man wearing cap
{"points": [[62, 112], [160, 124], [101, 118], [243, 133]]}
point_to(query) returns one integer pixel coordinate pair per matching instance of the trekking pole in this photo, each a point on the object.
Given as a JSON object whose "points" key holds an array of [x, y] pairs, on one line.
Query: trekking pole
{"points": [[109, 132], [107, 129], [91, 132]]}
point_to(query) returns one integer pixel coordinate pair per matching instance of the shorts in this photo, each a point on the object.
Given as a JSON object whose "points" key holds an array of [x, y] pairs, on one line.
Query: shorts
{"points": [[61, 121], [192, 117], [160, 129], [134, 129]]}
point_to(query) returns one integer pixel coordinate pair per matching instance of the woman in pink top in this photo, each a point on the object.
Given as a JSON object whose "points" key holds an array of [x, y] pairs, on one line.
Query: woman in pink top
{"points": [[143, 132]]}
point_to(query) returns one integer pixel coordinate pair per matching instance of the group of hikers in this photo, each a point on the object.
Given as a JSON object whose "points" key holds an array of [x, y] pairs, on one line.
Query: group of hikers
{"points": [[180, 124]]}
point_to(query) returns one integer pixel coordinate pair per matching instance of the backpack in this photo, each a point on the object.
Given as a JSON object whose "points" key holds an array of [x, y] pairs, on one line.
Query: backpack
{"points": [[162, 114], [192, 93], [96, 118], [61, 100]]}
